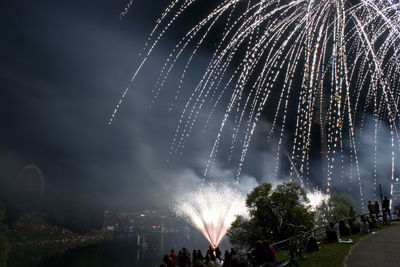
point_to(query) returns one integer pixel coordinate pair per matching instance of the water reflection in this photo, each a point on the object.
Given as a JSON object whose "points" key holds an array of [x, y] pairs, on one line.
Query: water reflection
{"points": [[113, 253], [132, 250]]}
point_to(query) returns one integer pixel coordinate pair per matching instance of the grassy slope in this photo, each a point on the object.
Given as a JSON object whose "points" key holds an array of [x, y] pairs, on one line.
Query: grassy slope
{"points": [[330, 255]]}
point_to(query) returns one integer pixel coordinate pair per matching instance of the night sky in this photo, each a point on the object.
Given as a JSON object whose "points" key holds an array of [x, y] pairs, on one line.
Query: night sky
{"points": [[63, 68]]}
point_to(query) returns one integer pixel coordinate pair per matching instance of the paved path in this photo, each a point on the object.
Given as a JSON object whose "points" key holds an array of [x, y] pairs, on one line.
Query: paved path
{"points": [[378, 250]]}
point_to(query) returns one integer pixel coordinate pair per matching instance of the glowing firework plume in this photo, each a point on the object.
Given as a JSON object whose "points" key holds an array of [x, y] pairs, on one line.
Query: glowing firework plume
{"points": [[306, 62], [212, 209], [317, 198]]}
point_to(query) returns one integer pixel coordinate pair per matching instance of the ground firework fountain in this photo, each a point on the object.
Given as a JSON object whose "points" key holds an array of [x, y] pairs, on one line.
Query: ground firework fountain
{"points": [[212, 209]]}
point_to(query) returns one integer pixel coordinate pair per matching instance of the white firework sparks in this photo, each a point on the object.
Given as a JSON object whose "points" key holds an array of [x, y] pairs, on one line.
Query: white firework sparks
{"points": [[212, 209], [330, 62], [126, 9], [317, 198]]}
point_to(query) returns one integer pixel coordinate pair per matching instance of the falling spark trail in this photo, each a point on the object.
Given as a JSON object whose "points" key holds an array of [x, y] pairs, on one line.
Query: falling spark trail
{"points": [[126, 10], [300, 63]]}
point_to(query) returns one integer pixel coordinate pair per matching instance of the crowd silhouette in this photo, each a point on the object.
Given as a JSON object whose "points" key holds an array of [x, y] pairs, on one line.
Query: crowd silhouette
{"points": [[263, 254]]}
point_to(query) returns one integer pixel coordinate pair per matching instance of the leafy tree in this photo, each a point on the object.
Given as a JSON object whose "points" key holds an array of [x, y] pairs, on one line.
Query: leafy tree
{"points": [[244, 233], [272, 214], [3, 237], [341, 204], [338, 207]]}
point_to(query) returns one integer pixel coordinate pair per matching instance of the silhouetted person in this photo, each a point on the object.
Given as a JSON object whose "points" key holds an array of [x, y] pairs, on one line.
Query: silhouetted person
{"points": [[167, 260], [194, 255], [258, 253], [227, 259], [269, 254], [181, 259], [386, 209], [376, 209], [344, 228], [374, 221], [218, 253], [330, 233], [173, 257], [370, 223], [312, 244], [207, 261], [233, 252], [186, 257], [199, 255], [352, 214], [364, 225], [210, 251], [354, 227], [371, 208]]}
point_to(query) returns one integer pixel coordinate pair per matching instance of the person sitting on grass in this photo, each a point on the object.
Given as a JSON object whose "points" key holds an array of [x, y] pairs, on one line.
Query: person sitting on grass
{"points": [[364, 225], [331, 236], [312, 244], [270, 252], [374, 221], [344, 229], [336, 230], [371, 222], [354, 226]]}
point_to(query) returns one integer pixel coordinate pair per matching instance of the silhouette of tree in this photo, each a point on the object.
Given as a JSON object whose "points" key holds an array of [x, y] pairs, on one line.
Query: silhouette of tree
{"points": [[272, 214], [337, 208]]}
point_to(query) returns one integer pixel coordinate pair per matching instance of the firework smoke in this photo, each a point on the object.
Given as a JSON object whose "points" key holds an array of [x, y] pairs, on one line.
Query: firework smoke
{"points": [[325, 64]]}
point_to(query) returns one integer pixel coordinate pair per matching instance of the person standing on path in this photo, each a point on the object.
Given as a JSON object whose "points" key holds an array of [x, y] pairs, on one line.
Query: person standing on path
{"points": [[376, 208], [371, 208], [386, 209]]}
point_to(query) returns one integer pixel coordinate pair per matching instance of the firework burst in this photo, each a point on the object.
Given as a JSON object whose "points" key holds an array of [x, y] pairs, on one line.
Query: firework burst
{"points": [[303, 63]]}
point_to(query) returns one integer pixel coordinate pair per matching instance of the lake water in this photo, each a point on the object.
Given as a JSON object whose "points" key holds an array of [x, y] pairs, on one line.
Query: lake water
{"points": [[127, 251], [107, 254]]}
